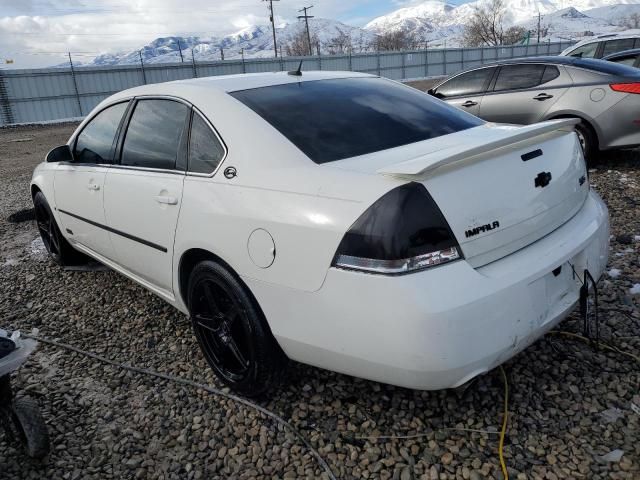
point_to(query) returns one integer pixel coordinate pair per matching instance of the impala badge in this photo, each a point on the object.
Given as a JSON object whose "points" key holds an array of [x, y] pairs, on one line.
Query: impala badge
{"points": [[481, 229]]}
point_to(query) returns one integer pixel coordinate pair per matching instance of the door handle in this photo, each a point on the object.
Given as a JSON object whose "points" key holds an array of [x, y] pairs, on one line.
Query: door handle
{"points": [[167, 200], [542, 97], [469, 103], [93, 186]]}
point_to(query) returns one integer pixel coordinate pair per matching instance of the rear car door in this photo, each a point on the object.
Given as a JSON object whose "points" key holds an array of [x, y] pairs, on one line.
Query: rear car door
{"points": [[523, 93], [465, 91], [79, 186], [143, 192]]}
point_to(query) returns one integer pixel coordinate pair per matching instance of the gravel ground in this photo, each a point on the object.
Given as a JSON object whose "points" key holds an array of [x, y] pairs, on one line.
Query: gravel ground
{"points": [[569, 405]]}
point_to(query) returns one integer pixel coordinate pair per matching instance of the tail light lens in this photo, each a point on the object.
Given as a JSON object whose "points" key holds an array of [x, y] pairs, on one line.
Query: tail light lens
{"points": [[626, 87], [403, 231]]}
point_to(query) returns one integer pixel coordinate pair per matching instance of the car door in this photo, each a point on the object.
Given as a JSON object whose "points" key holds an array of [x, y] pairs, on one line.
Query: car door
{"points": [[523, 93], [79, 185], [143, 191], [465, 91]]}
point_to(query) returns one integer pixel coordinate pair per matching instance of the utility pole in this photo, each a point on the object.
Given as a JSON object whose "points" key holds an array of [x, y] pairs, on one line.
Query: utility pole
{"points": [[75, 84], [306, 20], [180, 51], [273, 25], [538, 27], [221, 53], [144, 75]]}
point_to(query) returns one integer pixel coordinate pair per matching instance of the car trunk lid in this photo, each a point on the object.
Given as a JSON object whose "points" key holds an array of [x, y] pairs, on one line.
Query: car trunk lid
{"points": [[500, 187]]}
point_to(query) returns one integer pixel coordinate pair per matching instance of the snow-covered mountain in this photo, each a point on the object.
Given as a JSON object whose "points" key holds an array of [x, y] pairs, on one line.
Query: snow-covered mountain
{"points": [[255, 41], [560, 19], [435, 21]]}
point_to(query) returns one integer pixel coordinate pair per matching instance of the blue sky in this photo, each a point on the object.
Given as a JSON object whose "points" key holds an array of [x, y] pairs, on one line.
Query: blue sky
{"points": [[40, 32]]}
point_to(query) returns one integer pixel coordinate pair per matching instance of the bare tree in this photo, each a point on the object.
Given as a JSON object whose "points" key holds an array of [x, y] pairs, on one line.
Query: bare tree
{"points": [[487, 27], [632, 21], [298, 45], [396, 40], [341, 43]]}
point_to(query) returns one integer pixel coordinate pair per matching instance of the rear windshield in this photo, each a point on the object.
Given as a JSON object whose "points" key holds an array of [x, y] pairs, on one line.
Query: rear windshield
{"points": [[341, 118], [604, 66]]}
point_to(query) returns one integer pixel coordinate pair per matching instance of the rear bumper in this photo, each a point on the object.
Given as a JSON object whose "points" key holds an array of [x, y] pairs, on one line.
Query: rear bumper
{"points": [[619, 126], [440, 327]]}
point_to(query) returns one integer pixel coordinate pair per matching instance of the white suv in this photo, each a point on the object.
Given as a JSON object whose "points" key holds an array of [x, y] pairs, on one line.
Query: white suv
{"points": [[603, 45]]}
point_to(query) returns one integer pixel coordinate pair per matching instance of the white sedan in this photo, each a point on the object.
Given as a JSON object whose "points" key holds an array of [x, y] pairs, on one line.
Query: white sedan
{"points": [[337, 219]]}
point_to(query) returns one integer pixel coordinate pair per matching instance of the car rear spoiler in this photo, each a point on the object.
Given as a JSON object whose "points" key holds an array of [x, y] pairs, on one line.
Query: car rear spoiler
{"points": [[501, 136]]}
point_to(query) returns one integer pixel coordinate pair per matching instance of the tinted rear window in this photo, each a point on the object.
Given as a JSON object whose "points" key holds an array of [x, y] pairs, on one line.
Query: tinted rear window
{"points": [[334, 119]]}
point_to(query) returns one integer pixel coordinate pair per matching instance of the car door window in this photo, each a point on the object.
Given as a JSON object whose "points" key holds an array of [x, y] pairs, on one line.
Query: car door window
{"points": [[469, 83], [514, 77], [205, 150], [625, 60], [153, 138], [585, 51], [613, 46], [95, 141]]}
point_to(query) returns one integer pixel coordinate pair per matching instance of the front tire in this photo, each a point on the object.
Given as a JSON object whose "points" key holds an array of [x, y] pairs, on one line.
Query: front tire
{"points": [[60, 251], [232, 331]]}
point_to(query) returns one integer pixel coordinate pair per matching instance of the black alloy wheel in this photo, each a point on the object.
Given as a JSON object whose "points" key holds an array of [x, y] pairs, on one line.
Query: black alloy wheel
{"points": [[231, 331], [59, 249]]}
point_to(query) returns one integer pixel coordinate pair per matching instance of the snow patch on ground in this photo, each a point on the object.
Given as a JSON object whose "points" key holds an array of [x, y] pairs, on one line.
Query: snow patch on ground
{"points": [[614, 273], [635, 290]]}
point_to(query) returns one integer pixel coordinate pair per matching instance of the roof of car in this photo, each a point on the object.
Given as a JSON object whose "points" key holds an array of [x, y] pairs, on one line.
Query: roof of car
{"points": [[624, 53], [606, 36], [602, 66], [233, 83]]}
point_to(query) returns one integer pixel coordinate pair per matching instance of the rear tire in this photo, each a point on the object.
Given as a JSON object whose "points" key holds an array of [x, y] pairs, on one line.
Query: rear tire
{"points": [[59, 249], [588, 141], [232, 332]]}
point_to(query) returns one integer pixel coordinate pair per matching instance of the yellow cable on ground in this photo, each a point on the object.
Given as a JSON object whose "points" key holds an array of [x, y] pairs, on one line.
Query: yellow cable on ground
{"points": [[505, 415]]}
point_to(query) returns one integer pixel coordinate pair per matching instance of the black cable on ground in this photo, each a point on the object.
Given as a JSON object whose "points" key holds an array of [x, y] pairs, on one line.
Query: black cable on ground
{"points": [[190, 383]]}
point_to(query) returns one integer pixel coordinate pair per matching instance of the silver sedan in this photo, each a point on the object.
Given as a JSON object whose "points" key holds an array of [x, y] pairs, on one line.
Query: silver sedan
{"points": [[603, 95]]}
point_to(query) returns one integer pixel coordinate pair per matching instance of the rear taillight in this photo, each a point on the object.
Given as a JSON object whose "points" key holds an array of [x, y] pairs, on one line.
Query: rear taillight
{"points": [[403, 231], [626, 87]]}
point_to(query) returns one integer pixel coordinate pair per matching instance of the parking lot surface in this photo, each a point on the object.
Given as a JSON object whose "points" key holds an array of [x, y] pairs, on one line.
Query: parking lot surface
{"points": [[571, 406]]}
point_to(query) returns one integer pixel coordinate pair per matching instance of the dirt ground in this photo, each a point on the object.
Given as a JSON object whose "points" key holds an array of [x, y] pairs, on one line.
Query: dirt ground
{"points": [[574, 412]]}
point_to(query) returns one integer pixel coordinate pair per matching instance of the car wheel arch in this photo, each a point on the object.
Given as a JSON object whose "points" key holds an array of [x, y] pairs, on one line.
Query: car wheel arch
{"points": [[189, 259], [588, 123]]}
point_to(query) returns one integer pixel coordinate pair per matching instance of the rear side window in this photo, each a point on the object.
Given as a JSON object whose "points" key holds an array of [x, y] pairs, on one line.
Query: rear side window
{"points": [[469, 83], [551, 72], [205, 150], [585, 51], [94, 143], [334, 119], [614, 46], [513, 77], [153, 138]]}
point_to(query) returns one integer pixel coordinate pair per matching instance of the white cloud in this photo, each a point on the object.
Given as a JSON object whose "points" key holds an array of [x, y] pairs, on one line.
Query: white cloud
{"points": [[37, 26]]}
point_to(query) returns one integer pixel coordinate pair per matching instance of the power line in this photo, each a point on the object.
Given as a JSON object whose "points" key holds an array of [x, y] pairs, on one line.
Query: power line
{"points": [[273, 25], [306, 20]]}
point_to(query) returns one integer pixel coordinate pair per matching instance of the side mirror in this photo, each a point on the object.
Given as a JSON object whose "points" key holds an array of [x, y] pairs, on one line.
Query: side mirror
{"points": [[60, 154], [431, 92]]}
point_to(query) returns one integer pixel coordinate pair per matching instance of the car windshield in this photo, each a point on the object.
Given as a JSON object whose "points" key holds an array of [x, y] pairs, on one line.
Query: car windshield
{"points": [[334, 119]]}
